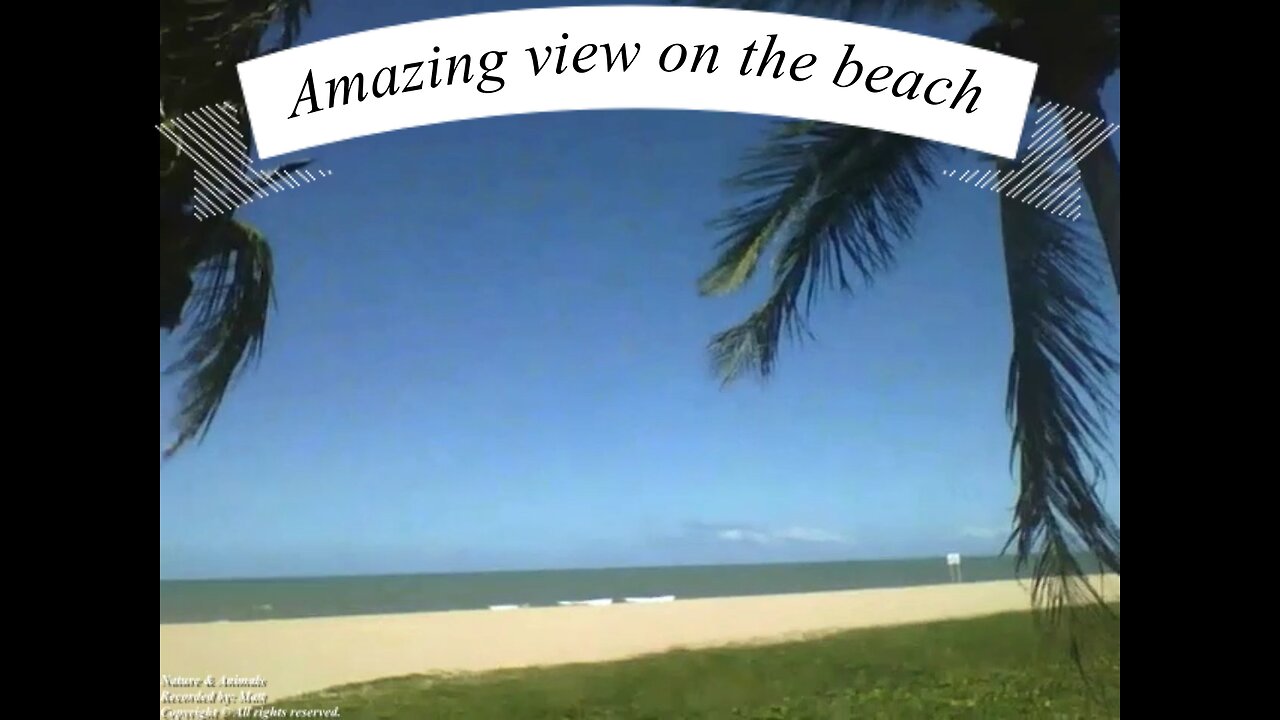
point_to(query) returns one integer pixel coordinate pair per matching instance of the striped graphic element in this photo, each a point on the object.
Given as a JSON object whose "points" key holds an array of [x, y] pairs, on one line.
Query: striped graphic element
{"points": [[1049, 176], [225, 180]]}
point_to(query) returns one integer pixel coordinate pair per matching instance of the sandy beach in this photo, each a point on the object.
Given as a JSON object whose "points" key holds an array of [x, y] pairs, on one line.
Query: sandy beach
{"points": [[304, 655]]}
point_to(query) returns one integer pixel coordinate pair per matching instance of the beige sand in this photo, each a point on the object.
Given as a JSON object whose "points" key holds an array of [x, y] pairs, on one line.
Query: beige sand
{"points": [[296, 656]]}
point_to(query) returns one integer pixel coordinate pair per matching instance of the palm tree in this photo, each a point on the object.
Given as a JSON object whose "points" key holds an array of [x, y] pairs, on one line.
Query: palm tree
{"points": [[836, 200], [215, 273]]}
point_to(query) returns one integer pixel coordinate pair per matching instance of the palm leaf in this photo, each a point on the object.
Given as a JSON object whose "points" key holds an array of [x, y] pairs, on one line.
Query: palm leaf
{"points": [[1061, 392], [831, 196], [840, 8], [201, 42], [290, 14], [232, 298]]}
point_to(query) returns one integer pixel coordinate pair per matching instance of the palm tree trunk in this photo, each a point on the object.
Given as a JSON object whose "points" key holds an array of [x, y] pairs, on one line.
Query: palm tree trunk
{"points": [[1100, 173]]}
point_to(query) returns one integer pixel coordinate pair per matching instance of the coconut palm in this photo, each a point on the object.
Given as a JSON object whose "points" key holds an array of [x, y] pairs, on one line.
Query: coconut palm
{"points": [[216, 273], [836, 200]]}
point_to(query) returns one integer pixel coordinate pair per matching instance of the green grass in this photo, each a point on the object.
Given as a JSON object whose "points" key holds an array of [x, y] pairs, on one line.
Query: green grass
{"points": [[996, 667]]}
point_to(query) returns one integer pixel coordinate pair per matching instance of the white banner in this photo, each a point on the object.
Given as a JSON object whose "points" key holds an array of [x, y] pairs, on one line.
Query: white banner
{"points": [[635, 57]]}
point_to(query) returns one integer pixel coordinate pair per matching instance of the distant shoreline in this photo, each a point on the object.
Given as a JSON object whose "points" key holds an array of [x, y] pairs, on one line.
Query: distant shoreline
{"points": [[618, 602], [591, 569], [302, 655], [214, 601]]}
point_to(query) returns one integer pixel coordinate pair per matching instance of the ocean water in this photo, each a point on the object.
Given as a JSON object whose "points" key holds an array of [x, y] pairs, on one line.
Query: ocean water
{"points": [[186, 601]]}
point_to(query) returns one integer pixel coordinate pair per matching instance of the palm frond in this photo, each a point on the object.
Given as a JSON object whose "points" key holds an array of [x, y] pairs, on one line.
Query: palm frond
{"points": [[791, 168], [232, 298], [843, 9], [831, 195], [1060, 396], [291, 14], [201, 43]]}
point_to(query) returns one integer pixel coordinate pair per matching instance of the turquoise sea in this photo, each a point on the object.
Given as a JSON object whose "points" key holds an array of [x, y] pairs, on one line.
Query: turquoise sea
{"points": [[186, 601]]}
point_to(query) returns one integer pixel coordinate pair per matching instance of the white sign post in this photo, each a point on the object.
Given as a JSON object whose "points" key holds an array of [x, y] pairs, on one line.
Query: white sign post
{"points": [[953, 566]]}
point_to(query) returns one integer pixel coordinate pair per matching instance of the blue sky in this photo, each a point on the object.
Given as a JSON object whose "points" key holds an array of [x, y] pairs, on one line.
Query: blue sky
{"points": [[489, 353]]}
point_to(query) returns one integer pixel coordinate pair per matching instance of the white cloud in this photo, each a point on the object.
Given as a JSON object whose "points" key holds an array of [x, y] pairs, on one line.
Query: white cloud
{"points": [[791, 534], [744, 535], [814, 535], [981, 533]]}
